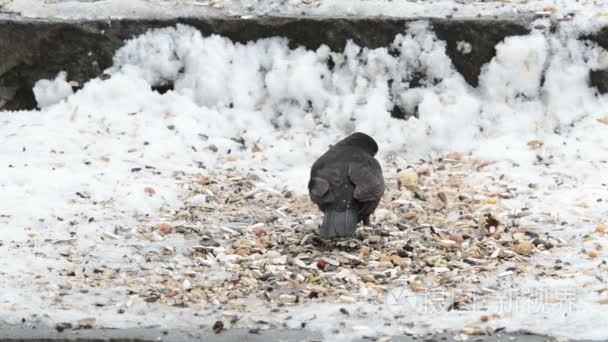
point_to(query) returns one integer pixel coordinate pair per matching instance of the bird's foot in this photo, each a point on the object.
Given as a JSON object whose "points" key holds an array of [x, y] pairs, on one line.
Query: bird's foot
{"points": [[367, 223], [373, 226]]}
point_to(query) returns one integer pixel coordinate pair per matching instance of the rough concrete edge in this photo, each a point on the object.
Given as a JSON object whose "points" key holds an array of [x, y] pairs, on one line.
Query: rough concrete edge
{"points": [[519, 16]]}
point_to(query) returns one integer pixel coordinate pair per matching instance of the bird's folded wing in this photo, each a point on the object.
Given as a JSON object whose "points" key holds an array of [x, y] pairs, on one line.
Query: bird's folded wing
{"points": [[367, 177], [318, 187]]}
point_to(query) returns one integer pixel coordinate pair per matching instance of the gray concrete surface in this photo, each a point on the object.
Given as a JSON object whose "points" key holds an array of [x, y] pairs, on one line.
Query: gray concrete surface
{"points": [[41, 333]]}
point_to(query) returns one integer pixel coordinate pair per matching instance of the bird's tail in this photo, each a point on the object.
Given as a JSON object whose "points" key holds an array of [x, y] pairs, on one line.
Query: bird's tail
{"points": [[339, 223]]}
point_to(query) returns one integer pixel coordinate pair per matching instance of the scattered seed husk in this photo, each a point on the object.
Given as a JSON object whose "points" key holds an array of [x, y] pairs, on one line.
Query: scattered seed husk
{"points": [[236, 240]]}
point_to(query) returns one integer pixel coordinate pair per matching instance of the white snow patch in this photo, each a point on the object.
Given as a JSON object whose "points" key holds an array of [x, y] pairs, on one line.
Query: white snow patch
{"points": [[464, 47], [50, 92], [582, 13]]}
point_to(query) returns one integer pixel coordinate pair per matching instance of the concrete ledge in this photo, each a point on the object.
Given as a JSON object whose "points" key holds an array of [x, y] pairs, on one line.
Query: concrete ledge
{"points": [[31, 49]]}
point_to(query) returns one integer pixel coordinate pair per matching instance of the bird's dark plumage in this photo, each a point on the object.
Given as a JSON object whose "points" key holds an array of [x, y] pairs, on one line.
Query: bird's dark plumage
{"points": [[346, 183]]}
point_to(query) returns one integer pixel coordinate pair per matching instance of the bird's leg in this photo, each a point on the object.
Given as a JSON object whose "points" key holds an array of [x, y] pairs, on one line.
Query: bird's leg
{"points": [[375, 227], [366, 221]]}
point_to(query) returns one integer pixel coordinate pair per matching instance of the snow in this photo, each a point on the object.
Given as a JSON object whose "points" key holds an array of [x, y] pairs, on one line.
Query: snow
{"points": [[49, 92], [81, 164], [579, 11]]}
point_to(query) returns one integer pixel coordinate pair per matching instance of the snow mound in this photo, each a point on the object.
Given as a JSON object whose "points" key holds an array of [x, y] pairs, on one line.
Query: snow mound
{"points": [[50, 92]]}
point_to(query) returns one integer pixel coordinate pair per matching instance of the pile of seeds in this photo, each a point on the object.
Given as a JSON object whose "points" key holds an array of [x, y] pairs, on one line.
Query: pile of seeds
{"points": [[433, 230]]}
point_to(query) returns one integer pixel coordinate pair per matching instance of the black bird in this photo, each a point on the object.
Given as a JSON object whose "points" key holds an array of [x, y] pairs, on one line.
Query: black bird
{"points": [[346, 183]]}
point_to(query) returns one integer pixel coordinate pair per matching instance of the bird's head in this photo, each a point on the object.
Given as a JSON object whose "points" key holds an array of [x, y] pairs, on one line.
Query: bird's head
{"points": [[361, 140]]}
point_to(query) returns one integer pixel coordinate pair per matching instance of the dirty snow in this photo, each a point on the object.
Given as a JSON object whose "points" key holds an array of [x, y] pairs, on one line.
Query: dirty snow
{"points": [[101, 161], [580, 12]]}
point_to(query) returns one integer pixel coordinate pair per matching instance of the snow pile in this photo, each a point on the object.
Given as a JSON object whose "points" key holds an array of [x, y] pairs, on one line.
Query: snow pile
{"points": [[118, 150], [49, 92], [535, 86]]}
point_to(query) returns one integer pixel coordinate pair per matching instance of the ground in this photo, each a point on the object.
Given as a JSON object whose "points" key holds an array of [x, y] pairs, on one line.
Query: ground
{"points": [[446, 242], [125, 208]]}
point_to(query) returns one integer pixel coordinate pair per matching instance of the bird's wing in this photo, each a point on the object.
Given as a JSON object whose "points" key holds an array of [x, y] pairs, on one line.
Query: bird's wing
{"points": [[317, 187], [368, 180]]}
